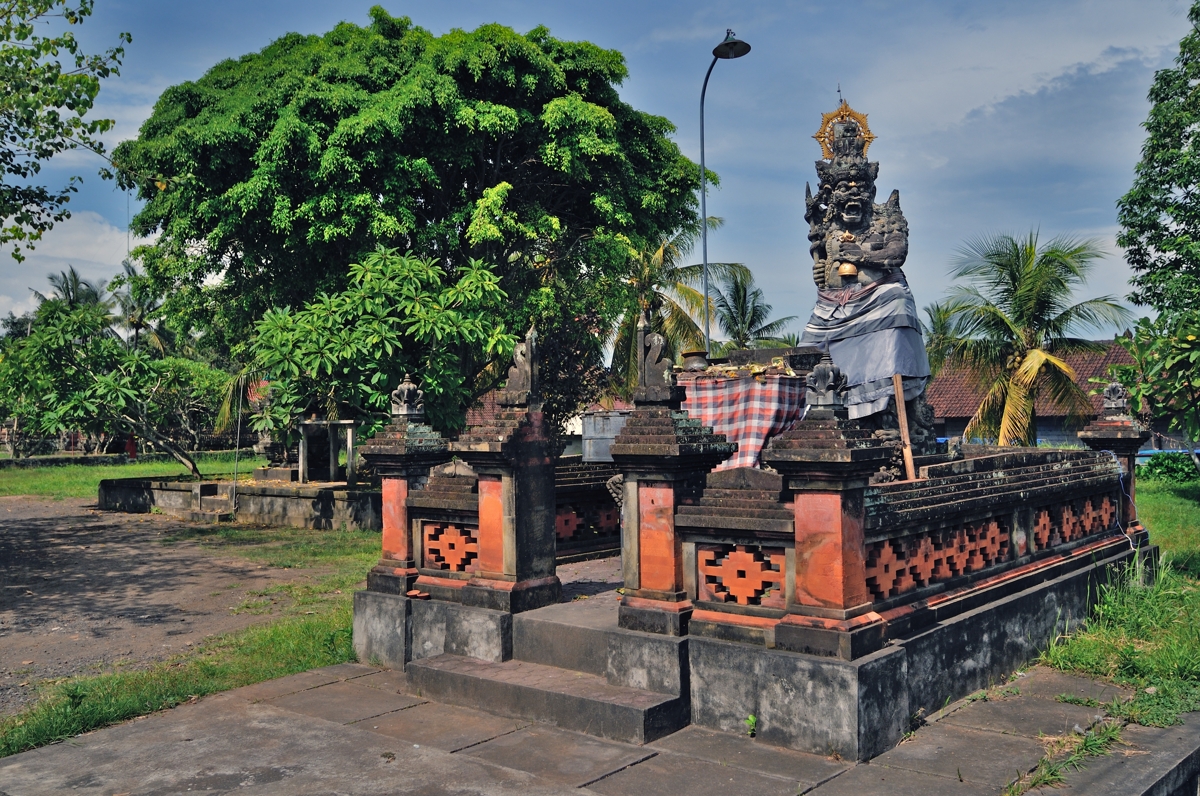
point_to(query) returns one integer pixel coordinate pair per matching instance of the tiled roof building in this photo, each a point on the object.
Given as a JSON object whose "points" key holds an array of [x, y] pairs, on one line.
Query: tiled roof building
{"points": [[955, 394]]}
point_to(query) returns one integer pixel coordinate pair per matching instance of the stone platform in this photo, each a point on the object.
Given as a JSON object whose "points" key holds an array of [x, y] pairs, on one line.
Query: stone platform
{"points": [[355, 730], [574, 666]]}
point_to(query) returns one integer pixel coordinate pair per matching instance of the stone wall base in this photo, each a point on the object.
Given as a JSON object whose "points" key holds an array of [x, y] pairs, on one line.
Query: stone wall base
{"points": [[861, 708]]}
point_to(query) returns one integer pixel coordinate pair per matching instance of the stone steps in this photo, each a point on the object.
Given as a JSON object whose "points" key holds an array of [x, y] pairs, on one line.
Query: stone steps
{"points": [[573, 700]]}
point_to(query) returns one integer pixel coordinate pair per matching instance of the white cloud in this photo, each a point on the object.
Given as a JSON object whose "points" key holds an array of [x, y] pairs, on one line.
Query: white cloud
{"points": [[86, 240]]}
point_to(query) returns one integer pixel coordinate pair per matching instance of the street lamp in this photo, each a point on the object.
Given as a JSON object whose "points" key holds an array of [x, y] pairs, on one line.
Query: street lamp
{"points": [[732, 47]]}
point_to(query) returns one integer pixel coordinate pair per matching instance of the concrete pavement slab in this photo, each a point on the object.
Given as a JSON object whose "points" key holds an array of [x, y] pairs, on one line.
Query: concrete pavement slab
{"points": [[1031, 717], [872, 780], [1047, 683], [348, 671], [283, 685], [387, 680], [669, 773], [559, 756], [223, 743], [744, 752], [344, 702], [445, 727], [986, 758]]}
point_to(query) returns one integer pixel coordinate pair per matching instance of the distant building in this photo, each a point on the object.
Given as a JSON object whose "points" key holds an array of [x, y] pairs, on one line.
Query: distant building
{"points": [[955, 397]]}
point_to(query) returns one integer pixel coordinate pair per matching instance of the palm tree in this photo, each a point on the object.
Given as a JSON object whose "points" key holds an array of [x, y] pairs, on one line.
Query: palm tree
{"points": [[74, 290], [939, 334], [137, 306], [742, 312], [1014, 321], [661, 285]]}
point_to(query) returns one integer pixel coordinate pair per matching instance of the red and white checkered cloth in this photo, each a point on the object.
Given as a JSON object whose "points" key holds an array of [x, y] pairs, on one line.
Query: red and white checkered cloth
{"points": [[748, 411]]}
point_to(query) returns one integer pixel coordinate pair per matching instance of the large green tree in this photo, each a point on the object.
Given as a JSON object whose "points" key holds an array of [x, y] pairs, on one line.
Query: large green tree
{"points": [[265, 178], [1160, 215], [48, 86], [1012, 323]]}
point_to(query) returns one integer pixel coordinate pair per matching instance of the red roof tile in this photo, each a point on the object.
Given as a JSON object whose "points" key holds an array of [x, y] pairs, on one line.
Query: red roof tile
{"points": [[955, 393]]}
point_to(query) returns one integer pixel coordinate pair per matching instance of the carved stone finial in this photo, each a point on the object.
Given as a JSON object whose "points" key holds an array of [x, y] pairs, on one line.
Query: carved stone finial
{"points": [[826, 383], [522, 387], [408, 400], [1116, 400], [656, 376]]}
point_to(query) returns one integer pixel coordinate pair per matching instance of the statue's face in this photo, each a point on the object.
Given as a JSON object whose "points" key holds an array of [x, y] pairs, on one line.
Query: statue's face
{"points": [[851, 200]]}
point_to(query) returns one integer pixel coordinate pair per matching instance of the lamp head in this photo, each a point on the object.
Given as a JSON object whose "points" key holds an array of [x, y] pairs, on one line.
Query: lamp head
{"points": [[732, 47]]}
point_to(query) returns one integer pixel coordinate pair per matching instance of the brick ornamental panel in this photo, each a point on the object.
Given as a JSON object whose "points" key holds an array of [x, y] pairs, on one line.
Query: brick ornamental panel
{"points": [[1073, 520], [587, 522], [895, 566], [741, 574], [450, 546]]}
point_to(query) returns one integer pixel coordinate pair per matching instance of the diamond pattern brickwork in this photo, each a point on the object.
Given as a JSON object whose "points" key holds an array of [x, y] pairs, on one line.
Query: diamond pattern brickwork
{"points": [[451, 547], [895, 566], [741, 574]]}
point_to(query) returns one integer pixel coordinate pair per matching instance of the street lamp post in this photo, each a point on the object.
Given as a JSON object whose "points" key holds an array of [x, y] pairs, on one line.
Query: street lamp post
{"points": [[730, 48]]}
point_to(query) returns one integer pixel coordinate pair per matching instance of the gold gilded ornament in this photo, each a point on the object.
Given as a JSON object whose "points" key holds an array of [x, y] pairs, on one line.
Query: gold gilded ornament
{"points": [[843, 113], [847, 269]]}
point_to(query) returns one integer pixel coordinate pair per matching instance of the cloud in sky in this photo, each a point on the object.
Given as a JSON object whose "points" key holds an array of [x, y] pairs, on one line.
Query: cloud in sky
{"points": [[86, 241], [1002, 116]]}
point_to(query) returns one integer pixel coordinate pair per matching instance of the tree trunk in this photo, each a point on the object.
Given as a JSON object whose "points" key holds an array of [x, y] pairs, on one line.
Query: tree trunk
{"points": [[147, 431], [1191, 443]]}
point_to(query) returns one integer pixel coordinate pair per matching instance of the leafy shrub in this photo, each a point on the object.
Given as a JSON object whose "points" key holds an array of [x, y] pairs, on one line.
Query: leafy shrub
{"points": [[1175, 467]]}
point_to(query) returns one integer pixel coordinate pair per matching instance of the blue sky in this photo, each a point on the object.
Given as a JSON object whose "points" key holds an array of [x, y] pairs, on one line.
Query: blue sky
{"points": [[991, 117]]}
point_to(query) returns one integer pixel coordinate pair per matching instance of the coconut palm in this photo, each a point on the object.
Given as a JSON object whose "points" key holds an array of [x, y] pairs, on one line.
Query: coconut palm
{"points": [[666, 288], [742, 312], [939, 334], [1013, 322], [74, 290], [137, 307]]}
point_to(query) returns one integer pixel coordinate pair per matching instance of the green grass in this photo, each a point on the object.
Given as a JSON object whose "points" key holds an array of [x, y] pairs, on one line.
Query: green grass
{"points": [[313, 629], [1147, 636], [84, 481], [1172, 513]]}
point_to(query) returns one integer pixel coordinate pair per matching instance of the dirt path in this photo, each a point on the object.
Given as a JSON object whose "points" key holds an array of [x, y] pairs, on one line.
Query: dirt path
{"points": [[82, 590]]}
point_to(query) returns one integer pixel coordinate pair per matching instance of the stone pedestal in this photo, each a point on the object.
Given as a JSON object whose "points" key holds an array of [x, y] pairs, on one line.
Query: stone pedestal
{"points": [[1116, 431], [402, 455], [826, 462], [664, 456], [515, 569]]}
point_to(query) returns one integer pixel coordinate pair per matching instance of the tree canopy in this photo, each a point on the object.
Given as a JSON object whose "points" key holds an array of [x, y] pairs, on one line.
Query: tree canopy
{"points": [[270, 174], [44, 104], [1160, 215]]}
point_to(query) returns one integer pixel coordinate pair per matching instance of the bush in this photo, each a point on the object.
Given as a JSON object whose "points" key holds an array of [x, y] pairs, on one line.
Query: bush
{"points": [[1175, 467]]}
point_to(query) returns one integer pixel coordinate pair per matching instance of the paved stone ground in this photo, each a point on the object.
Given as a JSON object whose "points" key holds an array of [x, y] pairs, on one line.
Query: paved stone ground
{"points": [[351, 729], [82, 590]]}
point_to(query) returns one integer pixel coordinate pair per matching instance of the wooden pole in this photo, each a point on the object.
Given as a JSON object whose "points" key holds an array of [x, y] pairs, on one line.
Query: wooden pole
{"points": [[902, 416]]}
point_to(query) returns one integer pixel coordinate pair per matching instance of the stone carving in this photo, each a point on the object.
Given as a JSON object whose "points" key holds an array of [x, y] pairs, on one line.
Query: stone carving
{"points": [[852, 239], [522, 386], [866, 317], [656, 374], [826, 383], [741, 574], [1116, 400], [408, 400]]}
